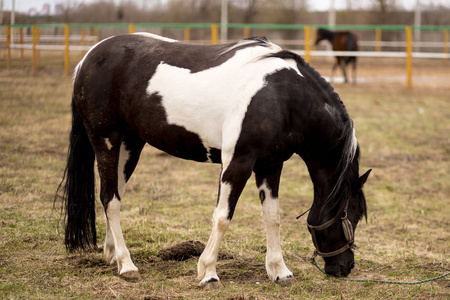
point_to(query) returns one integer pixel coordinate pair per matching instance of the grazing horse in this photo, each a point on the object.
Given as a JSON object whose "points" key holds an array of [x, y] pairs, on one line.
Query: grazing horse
{"points": [[341, 41], [248, 106]]}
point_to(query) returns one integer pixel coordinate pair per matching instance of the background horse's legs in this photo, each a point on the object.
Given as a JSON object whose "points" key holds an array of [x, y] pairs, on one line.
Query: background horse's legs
{"points": [[354, 69], [344, 72], [267, 181], [232, 182], [112, 158], [333, 70]]}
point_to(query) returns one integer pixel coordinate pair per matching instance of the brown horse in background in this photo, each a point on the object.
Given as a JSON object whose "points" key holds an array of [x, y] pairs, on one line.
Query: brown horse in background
{"points": [[341, 41]]}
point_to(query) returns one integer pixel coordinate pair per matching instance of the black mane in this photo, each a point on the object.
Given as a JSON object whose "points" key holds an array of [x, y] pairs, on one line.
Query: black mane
{"points": [[346, 173]]}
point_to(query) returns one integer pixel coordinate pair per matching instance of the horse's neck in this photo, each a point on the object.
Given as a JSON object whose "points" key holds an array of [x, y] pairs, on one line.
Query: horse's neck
{"points": [[323, 187], [323, 183], [330, 35]]}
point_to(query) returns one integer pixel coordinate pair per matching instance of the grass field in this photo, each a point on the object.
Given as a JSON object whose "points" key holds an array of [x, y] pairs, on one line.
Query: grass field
{"points": [[404, 137]]}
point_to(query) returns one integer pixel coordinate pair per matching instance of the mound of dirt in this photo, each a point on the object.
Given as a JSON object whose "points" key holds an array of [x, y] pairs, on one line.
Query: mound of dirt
{"points": [[182, 251]]}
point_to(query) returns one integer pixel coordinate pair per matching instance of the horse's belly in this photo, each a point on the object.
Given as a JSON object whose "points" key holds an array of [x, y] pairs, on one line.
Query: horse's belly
{"points": [[177, 141]]}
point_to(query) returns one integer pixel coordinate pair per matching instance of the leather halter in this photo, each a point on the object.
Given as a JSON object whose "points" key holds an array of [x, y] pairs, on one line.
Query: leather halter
{"points": [[348, 232]]}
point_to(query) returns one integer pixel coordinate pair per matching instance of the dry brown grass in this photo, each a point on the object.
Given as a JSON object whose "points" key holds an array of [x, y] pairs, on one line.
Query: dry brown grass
{"points": [[403, 136]]}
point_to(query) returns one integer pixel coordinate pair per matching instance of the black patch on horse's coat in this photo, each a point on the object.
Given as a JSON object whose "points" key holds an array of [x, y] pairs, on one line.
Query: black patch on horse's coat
{"points": [[125, 56], [215, 155], [315, 90]]}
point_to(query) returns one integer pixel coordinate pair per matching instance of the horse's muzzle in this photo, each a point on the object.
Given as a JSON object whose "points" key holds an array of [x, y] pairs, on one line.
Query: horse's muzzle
{"points": [[339, 270]]}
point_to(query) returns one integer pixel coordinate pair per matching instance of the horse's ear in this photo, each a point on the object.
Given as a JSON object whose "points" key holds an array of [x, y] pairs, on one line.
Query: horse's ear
{"points": [[363, 178]]}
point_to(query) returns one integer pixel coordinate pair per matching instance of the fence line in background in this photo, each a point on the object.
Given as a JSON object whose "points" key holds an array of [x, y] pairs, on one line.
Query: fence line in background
{"points": [[51, 42]]}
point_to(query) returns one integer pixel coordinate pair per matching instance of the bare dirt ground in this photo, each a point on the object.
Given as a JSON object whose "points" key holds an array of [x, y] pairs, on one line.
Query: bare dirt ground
{"points": [[403, 136]]}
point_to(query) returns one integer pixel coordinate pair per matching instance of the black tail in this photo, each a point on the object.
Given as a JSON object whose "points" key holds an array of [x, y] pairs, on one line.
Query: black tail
{"points": [[78, 187]]}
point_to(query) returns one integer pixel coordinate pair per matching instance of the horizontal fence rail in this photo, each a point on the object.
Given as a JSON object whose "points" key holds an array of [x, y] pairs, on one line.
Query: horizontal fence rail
{"points": [[88, 34]]}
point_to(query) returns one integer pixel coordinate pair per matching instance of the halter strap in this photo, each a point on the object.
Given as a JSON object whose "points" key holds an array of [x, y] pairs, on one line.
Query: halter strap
{"points": [[321, 227], [333, 253], [347, 232]]}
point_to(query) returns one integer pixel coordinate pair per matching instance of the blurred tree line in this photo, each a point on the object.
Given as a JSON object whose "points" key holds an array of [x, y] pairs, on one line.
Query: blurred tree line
{"points": [[239, 11], [378, 12]]}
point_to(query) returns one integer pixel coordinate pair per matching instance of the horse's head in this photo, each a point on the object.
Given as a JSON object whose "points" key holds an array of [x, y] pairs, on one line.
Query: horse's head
{"points": [[334, 229], [323, 34]]}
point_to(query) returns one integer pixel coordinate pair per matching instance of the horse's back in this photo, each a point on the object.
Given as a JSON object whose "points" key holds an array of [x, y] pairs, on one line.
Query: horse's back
{"points": [[188, 100]]}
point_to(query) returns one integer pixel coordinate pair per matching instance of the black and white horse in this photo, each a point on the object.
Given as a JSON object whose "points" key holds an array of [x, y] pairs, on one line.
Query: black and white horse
{"points": [[248, 106]]}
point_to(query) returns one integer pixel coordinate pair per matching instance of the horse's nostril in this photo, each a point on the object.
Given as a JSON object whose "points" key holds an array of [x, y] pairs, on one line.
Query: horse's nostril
{"points": [[352, 265], [345, 271]]}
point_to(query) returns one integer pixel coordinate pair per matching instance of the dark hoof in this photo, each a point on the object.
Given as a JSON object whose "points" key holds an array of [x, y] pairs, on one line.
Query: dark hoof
{"points": [[132, 276], [213, 285], [285, 281]]}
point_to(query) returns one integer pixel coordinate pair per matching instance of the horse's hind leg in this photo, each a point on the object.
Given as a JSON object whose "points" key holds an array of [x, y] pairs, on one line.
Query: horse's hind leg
{"points": [[116, 161], [130, 149], [267, 181]]}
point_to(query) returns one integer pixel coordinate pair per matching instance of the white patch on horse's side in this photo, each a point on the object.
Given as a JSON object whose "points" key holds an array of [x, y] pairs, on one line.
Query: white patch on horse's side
{"points": [[108, 143], [275, 265], [212, 103], [155, 36], [77, 68]]}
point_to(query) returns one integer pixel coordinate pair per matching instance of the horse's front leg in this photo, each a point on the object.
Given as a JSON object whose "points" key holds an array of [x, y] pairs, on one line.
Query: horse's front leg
{"points": [[232, 182], [267, 181]]}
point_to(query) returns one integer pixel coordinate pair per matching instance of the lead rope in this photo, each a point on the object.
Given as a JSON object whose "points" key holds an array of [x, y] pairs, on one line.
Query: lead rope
{"points": [[302, 214], [313, 261]]}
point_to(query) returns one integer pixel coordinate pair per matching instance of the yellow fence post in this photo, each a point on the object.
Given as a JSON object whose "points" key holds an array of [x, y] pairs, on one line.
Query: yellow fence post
{"points": [[446, 43], [307, 39], [313, 34], [66, 49], [21, 47], [38, 40], [33, 47], [214, 34], [378, 40], [131, 28], [82, 36], [96, 33], [187, 34], [246, 32], [8, 47], [409, 57]]}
